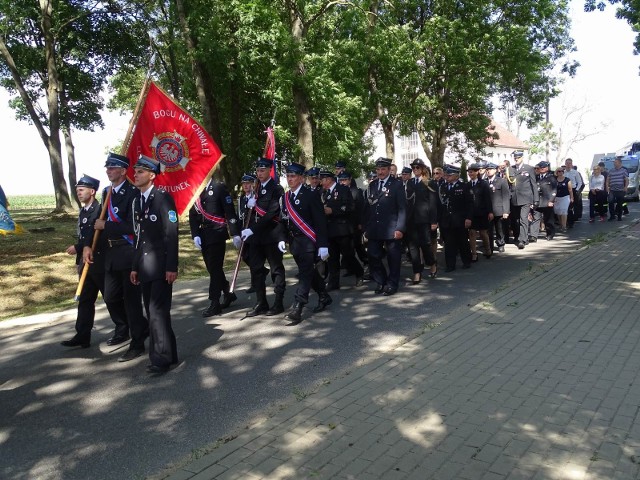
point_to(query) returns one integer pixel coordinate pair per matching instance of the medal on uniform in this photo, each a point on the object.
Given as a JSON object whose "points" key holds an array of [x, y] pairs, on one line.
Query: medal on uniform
{"points": [[84, 220], [297, 202], [210, 192], [264, 190], [153, 218], [115, 209]]}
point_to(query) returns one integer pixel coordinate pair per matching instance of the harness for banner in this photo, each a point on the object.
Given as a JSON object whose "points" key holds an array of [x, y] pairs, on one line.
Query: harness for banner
{"points": [[208, 216], [298, 221], [113, 217]]}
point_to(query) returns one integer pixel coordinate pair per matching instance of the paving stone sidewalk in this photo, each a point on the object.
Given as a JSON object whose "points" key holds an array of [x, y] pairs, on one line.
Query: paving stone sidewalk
{"points": [[540, 380]]}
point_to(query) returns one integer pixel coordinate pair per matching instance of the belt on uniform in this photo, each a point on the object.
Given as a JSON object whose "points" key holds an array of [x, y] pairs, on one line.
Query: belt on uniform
{"points": [[117, 242]]}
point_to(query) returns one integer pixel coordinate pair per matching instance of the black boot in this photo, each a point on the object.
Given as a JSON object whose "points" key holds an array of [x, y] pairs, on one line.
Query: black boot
{"points": [[295, 314], [227, 299], [213, 309], [258, 309], [323, 302], [277, 307]]}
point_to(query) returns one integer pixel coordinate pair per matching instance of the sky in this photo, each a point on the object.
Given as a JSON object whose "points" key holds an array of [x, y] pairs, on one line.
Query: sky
{"points": [[607, 82]]}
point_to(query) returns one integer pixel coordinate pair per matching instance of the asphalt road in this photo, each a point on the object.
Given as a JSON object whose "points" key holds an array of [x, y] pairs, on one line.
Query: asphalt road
{"points": [[78, 413]]}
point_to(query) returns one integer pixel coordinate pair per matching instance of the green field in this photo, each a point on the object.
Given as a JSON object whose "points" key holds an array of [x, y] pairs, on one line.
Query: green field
{"points": [[36, 275]]}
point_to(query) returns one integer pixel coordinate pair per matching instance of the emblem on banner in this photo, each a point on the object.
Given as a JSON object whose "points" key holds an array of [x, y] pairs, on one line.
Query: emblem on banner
{"points": [[171, 150]]}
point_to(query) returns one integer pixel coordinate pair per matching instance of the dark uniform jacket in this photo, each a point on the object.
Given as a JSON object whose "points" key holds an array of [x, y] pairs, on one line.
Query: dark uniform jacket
{"points": [[265, 221], [219, 216], [340, 201], [423, 201], [457, 204], [500, 196], [547, 186], [522, 182], [157, 236], [386, 210], [357, 216], [481, 194], [119, 252], [308, 206], [86, 221]]}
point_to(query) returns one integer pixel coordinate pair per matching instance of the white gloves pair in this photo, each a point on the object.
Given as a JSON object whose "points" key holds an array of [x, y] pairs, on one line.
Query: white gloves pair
{"points": [[251, 202], [246, 233], [323, 253], [237, 241]]}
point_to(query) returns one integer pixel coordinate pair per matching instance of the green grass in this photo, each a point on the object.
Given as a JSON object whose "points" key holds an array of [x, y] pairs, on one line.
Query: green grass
{"points": [[36, 275]]}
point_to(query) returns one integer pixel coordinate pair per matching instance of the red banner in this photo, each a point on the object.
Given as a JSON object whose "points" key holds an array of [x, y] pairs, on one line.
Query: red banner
{"points": [[270, 150], [186, 152]]}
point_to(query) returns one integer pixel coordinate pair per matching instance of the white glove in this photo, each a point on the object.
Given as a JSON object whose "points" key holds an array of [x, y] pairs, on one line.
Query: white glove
{"points": [[251, 202], [197, 242], [323, 253], [246, 233], [237, 241], [282, 246]]}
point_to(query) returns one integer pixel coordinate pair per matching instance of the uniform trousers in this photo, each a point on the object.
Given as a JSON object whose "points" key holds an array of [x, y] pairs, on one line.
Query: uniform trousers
{"points": [[420, 247], [342, 246], [520, 223], [545, 215], [304, 254], [498, 231], [359, 247], [94, 283], [156, 294], [456, 241], [258, 254], [118, 288], [393, 249], [213, 255]]}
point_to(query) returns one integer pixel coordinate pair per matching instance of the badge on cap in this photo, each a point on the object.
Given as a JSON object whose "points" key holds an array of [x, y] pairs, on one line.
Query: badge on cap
{"points": [[173, 216]]}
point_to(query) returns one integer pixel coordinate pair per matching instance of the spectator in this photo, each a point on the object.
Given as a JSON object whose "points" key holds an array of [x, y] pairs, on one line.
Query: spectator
{"points": [[564, 198], [597, 195]]}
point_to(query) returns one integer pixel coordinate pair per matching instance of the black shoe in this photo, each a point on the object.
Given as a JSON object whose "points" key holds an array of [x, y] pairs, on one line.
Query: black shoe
{"points": [[466, 266], [258, 309], [434, 274], [227, 299], [251, 289], [501, 249], [449, 269], [157, 370], [347, 274], [611, 219], [359, 281], [323, 302], [332, 286], [549, 237], [74, 342], [295, 314], [619, 219], [379, 289], [213, 309], [277, 309], [131, 354], [416, 278], [474, 259], [117, 340], [389, 291], [533, 239], [520, 245]]}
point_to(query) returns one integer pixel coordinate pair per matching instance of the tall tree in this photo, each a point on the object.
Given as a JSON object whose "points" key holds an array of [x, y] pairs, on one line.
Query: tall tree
{"points": [[56, 57]]}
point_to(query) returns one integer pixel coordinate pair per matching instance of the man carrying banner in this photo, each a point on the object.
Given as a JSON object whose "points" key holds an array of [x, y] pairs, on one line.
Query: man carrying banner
{"points": [[155, 264], [118, 237], [306, 223], [94, 283], [263, 234], [211, 218]]}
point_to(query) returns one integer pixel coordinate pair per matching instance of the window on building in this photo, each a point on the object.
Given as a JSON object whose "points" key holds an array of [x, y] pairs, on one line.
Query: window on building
{"points": [[409, 148]]}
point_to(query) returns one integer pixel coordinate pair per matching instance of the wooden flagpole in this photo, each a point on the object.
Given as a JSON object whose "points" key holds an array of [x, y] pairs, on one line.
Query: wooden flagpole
{"points": [[107, 199]]}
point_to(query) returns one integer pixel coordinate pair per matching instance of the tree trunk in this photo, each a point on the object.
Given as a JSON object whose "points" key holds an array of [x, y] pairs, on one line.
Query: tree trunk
{"points": [[304, 118], [210, 116], [63, 202], [71, 162]]}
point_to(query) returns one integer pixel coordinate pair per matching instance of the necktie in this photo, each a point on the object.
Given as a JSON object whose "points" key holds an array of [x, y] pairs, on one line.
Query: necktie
{"points": [[417, 180], [380, 184], [292, 197], [449, 187], [142, 202]]}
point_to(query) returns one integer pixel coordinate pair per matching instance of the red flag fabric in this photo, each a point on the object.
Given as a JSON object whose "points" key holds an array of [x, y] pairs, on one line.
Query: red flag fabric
{"points": [[186, 152], [270, 150]]}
